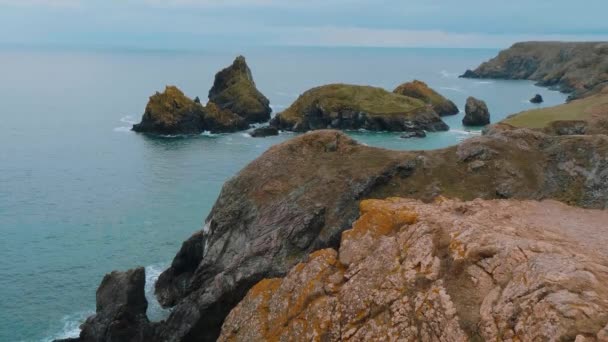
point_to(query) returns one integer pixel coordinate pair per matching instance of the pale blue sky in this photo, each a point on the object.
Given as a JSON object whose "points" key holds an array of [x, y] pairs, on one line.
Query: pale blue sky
{"points": [[199, 24]]}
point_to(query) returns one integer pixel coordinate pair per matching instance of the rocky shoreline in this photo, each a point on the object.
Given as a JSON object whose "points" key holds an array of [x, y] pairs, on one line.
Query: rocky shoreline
{"points": [[576, 68]]}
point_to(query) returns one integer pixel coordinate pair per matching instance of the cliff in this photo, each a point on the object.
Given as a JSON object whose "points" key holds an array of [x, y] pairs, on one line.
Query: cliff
{"points": [[448, 271], [343, 106], [577, 68]]}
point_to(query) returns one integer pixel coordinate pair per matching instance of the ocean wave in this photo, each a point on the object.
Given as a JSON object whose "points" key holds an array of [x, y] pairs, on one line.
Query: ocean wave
{"points": [[71, 326], [209, 134], [484, 82], [463, 132], [447, 74], [123, 129], [246, 135], [128, 119]]}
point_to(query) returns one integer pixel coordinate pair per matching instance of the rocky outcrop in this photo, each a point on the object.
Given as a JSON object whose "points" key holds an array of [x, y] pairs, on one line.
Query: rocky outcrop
{"points": [[577, 68], [121, 310], [476, 113], [235, 90], [415, 134], [448, 271], [343, 106], [537, 99], [300, 195], [265, 131], [420, 90], [172, 112]]}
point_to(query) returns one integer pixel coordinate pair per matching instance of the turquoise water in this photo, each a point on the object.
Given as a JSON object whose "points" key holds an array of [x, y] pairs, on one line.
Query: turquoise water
{"points": [[81, 195]]}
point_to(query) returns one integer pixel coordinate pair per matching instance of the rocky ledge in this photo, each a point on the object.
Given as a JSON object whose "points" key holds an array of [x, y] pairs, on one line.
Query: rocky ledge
{"points": [[420, 90], [343, 106], [235, 90], [577, 68], [499, 270]]}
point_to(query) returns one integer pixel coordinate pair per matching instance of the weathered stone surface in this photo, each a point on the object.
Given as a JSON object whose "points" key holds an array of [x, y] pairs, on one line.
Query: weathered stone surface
{"points": [[415, 134], [447, 271], [217, 119], [578, 68], [265, 131], [537, 99], [121, 310], [235, 90], [420, 90], [344, 106], [476, 113]]}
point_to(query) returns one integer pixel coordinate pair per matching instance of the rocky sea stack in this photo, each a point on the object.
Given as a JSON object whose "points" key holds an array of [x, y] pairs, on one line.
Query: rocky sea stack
{"points": [[476, 113], [420, 90], [343, 106], [447, 271], [577, 68], [235, 90], [537, 99]]}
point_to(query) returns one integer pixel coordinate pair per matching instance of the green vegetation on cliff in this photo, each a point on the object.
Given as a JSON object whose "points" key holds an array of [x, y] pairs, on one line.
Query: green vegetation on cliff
{"points": [[420, 90]]}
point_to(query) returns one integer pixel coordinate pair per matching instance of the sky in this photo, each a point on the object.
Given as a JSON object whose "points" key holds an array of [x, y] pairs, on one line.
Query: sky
{"points": [[199, 24]]}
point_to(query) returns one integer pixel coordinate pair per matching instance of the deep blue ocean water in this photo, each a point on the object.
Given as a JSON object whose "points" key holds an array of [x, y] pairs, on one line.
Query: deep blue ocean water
{"points": [[81, 195]]}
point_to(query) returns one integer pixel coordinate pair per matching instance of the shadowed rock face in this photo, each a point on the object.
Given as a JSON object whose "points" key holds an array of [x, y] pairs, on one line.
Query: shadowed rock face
{"points": [[235, 90], [300, 195], [420, 90], [476, 113], [579, 68], [448, 271], [344, 106]]}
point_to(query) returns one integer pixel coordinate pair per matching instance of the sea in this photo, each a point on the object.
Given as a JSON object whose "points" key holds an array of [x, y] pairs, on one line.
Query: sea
{"points": [[82, 195]]}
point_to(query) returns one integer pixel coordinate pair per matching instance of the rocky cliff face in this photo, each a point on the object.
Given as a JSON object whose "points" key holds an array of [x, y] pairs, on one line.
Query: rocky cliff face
{"points": [[343, 106], [235, 90], [299, 196], [579, 68], [420, 90], [448, 271]]}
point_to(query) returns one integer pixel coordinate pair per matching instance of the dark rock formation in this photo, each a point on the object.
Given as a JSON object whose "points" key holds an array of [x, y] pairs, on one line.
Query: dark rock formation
{"points": [[446, 271], [172, 112], [568, 127], [300, 195], [343, 106], [265, 131], [235, 90], [476, 113], [415, 134], [121, 310], [579, 68], [420, 90], [537, 99]]}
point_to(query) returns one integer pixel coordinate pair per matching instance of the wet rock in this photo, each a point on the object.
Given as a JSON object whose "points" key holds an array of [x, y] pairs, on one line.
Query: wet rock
{"points": [[414, 134], [265, 131], [351, 107], [420, 90], [476, 113], [537, 99], [235, 90], [448, 271]]}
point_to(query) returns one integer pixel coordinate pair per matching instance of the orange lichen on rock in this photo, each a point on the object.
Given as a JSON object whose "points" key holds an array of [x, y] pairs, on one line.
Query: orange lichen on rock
{"points": [[461, 271]]}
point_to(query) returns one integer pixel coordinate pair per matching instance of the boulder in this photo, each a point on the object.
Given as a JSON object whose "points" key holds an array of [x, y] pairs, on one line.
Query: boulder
{"points": [[415, 134], [352, 107], [235, 90], [476, 113], [448, 271], [265, 131], [171, 112], [537, 99], [121, 310], [420, 90]]}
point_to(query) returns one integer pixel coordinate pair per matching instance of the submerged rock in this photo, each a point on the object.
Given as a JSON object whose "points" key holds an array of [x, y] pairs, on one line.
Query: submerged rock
{"points": [[537, 99], [416, 134], [343, 106], [448, 271], [235, 90], [420, 90], [476, 113], [171, 112], [265, 131]]}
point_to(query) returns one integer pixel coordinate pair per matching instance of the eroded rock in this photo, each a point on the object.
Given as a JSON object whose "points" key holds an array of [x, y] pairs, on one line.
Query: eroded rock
{"points": [[476, 113]]}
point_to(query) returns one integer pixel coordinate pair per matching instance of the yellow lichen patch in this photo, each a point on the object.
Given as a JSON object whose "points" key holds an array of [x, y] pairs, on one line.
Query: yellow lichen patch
{"points": [[380, 217], [265, 287]]}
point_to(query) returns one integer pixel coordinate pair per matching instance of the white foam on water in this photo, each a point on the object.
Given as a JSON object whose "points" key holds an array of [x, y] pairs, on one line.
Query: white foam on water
{"points": [[447, 74], [122, 129], [209, 134], [484, 82], [246, 135], [128, 119], [155, 310], [71, 326], [463, 132]]}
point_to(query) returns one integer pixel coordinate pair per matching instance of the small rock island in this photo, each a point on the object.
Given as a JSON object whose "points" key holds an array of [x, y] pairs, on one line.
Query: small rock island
{"points": [[234, 104], [420, 90], [345, 106], [476, 113]]}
